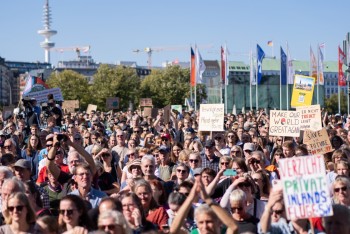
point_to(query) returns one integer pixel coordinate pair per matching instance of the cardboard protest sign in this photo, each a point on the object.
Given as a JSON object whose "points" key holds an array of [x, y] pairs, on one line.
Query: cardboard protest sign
{"points": [[317, 142], [91, 108], [7, 111], [41, 96], [166, 115], [150, 112], [146, 102], [112, 103], [303, 91], [284, 123], [211, 117], [310, 117], [70, 104], [305, 188]]}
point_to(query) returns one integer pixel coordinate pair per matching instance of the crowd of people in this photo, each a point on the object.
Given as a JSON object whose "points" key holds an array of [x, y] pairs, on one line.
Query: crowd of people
{"points": [[123, 172]]}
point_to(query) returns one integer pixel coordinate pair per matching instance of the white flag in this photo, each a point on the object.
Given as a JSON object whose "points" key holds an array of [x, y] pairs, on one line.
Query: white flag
{"points": [[200, 67]]}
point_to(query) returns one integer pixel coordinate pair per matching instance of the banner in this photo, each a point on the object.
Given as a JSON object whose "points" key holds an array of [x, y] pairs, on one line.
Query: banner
{"points": [[303, 90], [317, 142], [211, 117], [70, 104], [283, 68], [341, 61], [320, 66], [41, 96], [260, 54], [146, 102], [284, 123], [305, 188], [310, 117], [112, 103], [90, 108], [313, 65]]}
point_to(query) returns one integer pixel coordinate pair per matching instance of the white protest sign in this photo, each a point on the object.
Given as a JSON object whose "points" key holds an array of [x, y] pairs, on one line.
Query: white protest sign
{"points": [[284, 123], [317, 141], [310, 117], [211, 117], [305, 188]]}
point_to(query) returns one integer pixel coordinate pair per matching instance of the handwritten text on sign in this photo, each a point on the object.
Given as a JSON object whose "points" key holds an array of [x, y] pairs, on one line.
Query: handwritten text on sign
{"points": [[317, 142], [284, 123], [310, 117], [211, 117], [305, 189]]}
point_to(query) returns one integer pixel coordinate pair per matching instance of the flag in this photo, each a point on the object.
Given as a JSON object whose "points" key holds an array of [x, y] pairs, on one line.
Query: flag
{"points": [[193, 69], [341, 60], [224, 65], [320, 66], [200, 67], [290, 68], [260, 56], [322, 45], [283, 67], [270, 43], [313, 65], [29, 85]]}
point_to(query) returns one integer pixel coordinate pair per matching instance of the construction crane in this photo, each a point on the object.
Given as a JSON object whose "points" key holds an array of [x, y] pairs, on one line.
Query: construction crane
{"points": [[76, 49], [150, 50]]}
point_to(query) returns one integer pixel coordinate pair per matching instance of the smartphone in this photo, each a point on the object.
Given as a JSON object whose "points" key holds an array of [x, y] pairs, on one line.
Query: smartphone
{"points": [[230, 172]]}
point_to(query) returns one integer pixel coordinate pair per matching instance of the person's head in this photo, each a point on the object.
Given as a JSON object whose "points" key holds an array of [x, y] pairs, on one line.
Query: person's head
{"points": [[239, 165], [175, 152], [46, 224], [9, 146], [288, 149], [135, 168], [277, 155], [231, 137], [83, 176], [96, 149], [277, 211], [225, 162], [185, 187], [5, 173], [18, 209], [148, 165], [112, 141], [207, 176], [33, 143], [195, 160], [257, 160], [339, 155], [23, 170], [113, 222], [175, 200], [131, 203], [236, 152], [336, 142], [206, 220], [182, 171], [109, 203], [33, 193], [144, 191], [301, 150], [184, 156], [73, 160], [209, 148], [10, 186], [342, 168], [262, 181], [238, 203], [72, 212], [341, 193], [339, 222], [158, 191]]}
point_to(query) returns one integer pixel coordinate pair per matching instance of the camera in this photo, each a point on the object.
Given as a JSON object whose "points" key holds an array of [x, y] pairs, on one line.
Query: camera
{"points": [[62, 137]]}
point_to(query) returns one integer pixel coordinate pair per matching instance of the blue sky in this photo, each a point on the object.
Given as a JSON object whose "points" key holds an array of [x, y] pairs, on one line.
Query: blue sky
{"points": [[114, 28]]}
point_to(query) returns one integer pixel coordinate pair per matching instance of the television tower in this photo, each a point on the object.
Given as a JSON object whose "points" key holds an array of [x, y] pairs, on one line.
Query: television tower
{"points": [[47, 32]]}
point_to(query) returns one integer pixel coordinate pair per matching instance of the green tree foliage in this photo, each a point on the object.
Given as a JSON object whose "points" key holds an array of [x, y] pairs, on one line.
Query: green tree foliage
{"points": [[115, 82], [168, 86], [73, 86], [331, 104]]}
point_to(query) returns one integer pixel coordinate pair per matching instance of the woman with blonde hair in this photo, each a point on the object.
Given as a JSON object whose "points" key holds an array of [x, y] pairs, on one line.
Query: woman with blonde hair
{"points": [[341, 193], [19, 215]]}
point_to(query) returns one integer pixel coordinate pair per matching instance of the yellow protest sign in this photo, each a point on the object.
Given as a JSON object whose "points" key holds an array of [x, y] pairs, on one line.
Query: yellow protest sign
{"points": [[303, 90]]}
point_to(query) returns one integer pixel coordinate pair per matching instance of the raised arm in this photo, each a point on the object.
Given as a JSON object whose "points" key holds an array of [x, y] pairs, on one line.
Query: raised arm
{"points": [[265, 220], [225, 200], [211, 187]]}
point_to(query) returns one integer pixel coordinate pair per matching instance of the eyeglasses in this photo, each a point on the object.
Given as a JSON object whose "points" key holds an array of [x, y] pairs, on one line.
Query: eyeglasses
{"points": [[49, 145], [136, 131], [12, 208], [181, 171], [67, 212], [70, 127], [164, 139], [278, 212], [119, 135], [231, 136], [109, 227], [225, 163], [77, 138], [105, 155], [255, 161], [233, 209], [217, 138], [186, 194], [194, 160], [341, 188], [132, 154], [7, 147]]}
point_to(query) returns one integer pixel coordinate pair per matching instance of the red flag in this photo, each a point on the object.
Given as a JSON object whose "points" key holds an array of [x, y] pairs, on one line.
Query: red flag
{"points": [[223, 65], [341, 77], [193, 69]]}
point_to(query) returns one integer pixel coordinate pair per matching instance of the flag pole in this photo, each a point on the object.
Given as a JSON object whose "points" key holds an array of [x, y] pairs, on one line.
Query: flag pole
{"points": [[317, 70], [251, 79], [288, 78], [256, 88], [280, 80], [226, 81]]}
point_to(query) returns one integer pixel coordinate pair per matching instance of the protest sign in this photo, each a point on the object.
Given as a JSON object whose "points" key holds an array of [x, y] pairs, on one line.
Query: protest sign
{"points": [[284, 123], [303, 90], [317, 142], [211, 117], [41, 96], [112, 103], [70, 104], [310, 117], [91, 108], [7, 112], [178, 108], [145, 102], [150, 112], [305, 188], [166, 114]]}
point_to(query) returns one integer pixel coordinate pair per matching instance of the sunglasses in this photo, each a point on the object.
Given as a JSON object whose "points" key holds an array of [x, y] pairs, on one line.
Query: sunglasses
{"points": [[194, 160], [181, 171], [255, 161], [109, 227], [7, 146], [67, 212], [77, 139], [49, 145], [225, 163], [186, 194], [341, 188], [70, 127], [244, 185], [217, 138], [235, 151], [12, 208], [233, 209], [136, 131], [278, 212]]}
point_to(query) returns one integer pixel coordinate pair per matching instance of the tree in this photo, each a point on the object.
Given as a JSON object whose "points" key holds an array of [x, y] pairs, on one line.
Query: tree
{"points": [[331, 104], [115, 82], [168, 86], [73, 86]]}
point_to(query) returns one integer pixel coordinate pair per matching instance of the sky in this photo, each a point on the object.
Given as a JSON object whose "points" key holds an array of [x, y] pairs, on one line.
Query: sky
{"points": [[114, 28]]}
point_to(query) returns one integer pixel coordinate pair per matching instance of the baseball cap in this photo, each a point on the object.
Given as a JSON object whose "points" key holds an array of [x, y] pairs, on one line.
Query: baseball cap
{"points": [[197, 171], [23, 164], [249, 146], [163, 149]]}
